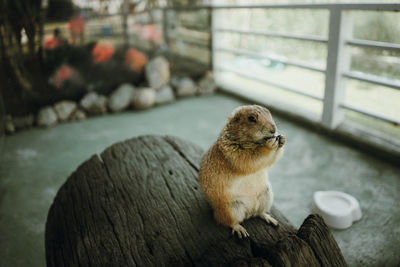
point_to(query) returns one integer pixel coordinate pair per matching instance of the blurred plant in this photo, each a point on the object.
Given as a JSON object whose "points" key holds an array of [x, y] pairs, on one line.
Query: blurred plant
{"points": [[76, 28], [135, 60], [150, 33], [50, 42], [62, 74], [59, 10], [17, 16], [102, 52], [53, 41]]}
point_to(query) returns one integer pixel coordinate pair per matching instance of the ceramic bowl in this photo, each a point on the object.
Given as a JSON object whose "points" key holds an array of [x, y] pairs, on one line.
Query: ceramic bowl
{"points": [[338, 209]]}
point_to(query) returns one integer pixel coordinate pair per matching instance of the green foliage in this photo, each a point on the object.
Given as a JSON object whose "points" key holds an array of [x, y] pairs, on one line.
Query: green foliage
{"points": [[377, 26]]}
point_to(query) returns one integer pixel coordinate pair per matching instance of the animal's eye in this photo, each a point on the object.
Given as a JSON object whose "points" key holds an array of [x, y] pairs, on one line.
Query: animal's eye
{"points": [[252, 119]]}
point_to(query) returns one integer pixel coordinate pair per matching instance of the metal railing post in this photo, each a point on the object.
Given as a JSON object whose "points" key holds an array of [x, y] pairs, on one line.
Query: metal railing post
{"points": [[212, 38], [210, 22], [338, 62]]}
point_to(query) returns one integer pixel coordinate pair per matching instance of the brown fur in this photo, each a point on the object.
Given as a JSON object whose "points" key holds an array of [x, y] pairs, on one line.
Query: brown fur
{"points": [[244, 147]]}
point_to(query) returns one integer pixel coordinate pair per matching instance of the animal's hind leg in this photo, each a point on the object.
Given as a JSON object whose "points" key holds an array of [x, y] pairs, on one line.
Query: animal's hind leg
{"points": [[268, 218], [238, 210], [264, 211], [232, 214]]}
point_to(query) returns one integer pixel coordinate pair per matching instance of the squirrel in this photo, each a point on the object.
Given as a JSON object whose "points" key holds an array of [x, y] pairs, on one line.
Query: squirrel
{"points": [[233, 173]]}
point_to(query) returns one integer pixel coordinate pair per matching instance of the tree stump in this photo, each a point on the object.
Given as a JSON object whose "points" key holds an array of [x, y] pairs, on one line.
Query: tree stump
{"points": [[140, 204]]}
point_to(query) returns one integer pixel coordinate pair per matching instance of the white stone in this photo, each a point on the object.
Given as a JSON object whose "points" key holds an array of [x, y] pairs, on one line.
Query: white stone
{"points": [[143, 98], [46, 116], [121, 97], [21, 122], [64, 109], [164, 95], [9, 125], [94, 103], [157, 72], [207, 84], [78, 115], [186, 87], [174, 81]]}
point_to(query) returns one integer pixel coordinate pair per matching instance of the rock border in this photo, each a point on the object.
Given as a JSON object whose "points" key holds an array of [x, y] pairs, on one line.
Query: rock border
{"points": [[126, 96]]}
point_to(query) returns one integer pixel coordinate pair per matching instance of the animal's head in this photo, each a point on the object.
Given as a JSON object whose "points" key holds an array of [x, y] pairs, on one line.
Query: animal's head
{"points": [[252, 126]]}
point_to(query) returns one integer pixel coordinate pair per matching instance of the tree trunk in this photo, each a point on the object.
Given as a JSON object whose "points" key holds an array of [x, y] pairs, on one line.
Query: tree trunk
{"points": [[140, 204]]}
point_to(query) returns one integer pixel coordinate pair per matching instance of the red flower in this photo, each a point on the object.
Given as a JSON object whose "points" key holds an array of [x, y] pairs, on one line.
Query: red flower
{"points": [[62, 74], [50, 43], [135, 60], [102, 52], [76, 25], [150, 33]]}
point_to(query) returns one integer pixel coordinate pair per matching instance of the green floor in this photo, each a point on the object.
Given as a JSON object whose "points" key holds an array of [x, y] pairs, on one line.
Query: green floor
{"points": [[35, 163]]}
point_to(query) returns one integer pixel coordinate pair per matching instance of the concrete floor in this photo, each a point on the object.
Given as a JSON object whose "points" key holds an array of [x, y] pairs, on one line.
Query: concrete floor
{"points": [[35, 163]]}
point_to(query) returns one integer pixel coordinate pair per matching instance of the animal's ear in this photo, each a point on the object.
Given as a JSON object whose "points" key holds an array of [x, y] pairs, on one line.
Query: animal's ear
{"points": [[236, 118], [261, 107], [233, 114], [266, 109]]}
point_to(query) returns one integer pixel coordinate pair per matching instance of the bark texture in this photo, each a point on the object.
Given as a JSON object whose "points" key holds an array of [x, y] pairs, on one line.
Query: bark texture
{"points": [[140, 204]]}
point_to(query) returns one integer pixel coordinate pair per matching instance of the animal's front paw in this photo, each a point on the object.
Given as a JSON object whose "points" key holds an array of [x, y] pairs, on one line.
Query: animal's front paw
{"points": [[240, 231], [276, 142], [269, 219], [281, 140]]}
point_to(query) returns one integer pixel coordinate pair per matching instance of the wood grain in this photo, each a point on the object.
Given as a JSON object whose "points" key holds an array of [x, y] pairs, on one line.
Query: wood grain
{"points": [[140, 204]]}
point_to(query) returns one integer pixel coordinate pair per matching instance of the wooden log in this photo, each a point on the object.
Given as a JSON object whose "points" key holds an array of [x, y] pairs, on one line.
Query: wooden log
{"points": [[140, 204], [291, 251], [317, 235]]}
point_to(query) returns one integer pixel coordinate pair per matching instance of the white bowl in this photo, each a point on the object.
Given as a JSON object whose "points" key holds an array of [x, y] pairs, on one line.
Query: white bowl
{"points": [[338, 209]]}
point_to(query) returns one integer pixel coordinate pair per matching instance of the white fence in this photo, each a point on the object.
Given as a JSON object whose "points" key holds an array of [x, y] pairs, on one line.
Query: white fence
{"points": [[337, 71]]}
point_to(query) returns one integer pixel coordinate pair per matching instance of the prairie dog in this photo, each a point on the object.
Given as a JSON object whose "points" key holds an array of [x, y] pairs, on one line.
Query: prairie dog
{"points": [[233, 172]]}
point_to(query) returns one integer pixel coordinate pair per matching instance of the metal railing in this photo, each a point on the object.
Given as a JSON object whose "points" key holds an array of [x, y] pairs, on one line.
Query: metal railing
{"points": [[337, 68]]}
